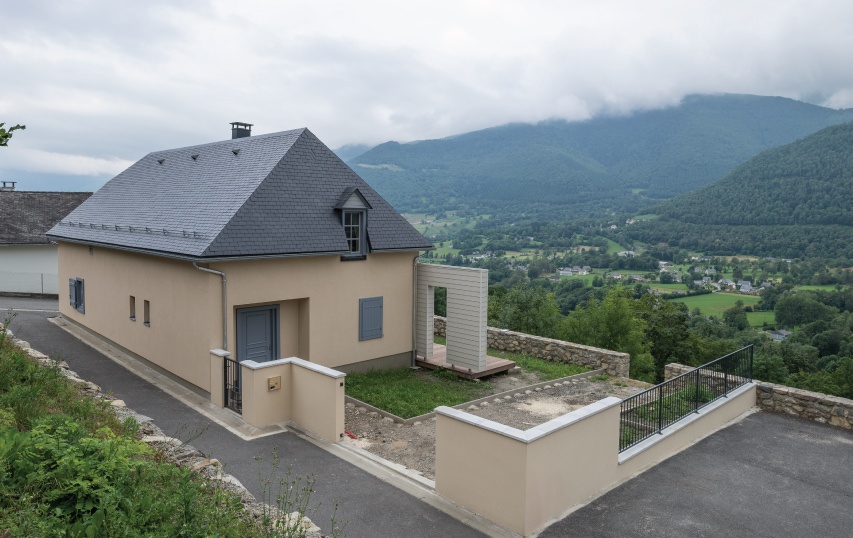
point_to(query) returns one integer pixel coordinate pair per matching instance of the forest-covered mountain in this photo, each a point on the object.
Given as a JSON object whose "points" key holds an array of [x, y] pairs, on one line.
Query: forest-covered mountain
{"points": [[793, 200], [607, 164]]}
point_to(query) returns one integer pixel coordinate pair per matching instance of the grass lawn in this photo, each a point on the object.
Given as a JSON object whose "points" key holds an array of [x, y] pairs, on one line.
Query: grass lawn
{"points": [[547, 370], [714, 304], [668, 288], [757, 319], [613, 247], [824, 287], [409, 393]]}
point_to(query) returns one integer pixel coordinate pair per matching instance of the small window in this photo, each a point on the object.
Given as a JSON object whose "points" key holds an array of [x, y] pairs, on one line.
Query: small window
{"points": [[76, 294], [146, 313], [370, 318], [132, 308], [354, 230]]}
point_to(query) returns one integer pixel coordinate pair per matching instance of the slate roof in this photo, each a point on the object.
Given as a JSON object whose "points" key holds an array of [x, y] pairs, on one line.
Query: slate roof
{"points": [[25, 216], [267, 195]]}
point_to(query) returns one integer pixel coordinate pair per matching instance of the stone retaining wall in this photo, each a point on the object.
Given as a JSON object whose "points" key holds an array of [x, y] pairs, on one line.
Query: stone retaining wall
{"points": [[614, 363], [173, 450], [823, 408]]}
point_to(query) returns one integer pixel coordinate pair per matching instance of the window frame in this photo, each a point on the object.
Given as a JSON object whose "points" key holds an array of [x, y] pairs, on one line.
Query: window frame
{"points": [[361, 227]]}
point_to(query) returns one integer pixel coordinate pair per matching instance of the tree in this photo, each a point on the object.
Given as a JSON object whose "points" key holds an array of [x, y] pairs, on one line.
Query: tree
{"points": [[666, 330], [6, 134], [612, 324], [528, 310], [736, 316]]}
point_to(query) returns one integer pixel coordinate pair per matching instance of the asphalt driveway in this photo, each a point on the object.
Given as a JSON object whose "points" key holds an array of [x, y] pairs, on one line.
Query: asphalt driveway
{"points": [[370, 507], [769, 475]]}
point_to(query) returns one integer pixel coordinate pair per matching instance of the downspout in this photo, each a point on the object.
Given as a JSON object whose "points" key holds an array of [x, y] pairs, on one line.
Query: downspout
{"points": [[224, 302], [415, 310]]}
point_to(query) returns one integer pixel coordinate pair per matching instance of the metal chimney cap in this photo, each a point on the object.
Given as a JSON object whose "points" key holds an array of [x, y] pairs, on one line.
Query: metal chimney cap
{"points": [[240, 129]]}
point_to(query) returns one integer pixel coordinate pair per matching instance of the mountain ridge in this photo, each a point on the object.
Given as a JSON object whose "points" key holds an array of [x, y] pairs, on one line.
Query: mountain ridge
{"points": [[605, 164]]}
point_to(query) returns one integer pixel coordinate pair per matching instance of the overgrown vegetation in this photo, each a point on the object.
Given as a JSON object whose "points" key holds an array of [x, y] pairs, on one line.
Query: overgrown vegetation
{"points": [[69, 467]]}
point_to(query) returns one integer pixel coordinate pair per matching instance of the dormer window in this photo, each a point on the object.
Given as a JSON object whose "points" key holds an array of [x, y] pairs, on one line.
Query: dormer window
{"points": [[354, 221], [354, 207]]}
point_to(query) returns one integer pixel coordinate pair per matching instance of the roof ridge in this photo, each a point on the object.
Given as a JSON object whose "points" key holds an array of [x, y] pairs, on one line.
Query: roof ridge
{"points": [[244, 140]]}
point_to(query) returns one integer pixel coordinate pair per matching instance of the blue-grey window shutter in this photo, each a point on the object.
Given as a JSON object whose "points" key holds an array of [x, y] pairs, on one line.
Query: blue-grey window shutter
{"points": [[72, 292], [81, 298], [370, 318]]}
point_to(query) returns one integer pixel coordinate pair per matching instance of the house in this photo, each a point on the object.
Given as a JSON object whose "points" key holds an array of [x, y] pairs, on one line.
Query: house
{"points": [[617, 276], [710, 271], [626, 254], [565, 271], [779, 336], [28, 261], [585, 270], [576, 269], [259, 247]]}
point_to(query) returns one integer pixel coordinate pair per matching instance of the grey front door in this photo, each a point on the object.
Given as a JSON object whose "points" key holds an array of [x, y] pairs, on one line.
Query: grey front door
{"points": [[257, 333]]}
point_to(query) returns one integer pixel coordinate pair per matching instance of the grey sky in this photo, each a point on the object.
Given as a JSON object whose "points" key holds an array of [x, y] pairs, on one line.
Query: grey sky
{"points": [[101, 83]]}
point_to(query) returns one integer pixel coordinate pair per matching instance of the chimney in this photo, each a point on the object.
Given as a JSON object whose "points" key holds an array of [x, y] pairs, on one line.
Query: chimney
{"points": [[240, 129], [8, 186]]}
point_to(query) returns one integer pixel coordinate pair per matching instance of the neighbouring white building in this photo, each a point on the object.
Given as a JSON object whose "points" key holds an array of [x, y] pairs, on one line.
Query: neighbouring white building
{"points": [[28, 261]]}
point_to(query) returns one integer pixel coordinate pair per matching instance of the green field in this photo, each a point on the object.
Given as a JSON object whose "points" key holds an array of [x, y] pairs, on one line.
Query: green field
{"points": [[428, 225], [714, 304], [757, 319], [613, 247], [823, 287], [668, 288]]}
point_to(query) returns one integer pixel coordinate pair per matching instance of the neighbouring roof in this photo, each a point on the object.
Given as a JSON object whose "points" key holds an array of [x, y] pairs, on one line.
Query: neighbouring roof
{"points": [[267, 195], [25, 216]]}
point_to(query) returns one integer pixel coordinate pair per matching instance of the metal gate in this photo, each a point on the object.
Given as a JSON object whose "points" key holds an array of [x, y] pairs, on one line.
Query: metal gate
{"points": [[233, 390]]}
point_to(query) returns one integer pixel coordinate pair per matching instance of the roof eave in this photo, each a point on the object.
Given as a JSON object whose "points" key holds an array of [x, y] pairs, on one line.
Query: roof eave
{"points": [[188, 257]]}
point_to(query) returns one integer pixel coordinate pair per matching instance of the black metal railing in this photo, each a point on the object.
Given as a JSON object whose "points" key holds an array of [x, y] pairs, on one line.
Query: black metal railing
{"points": [[233, 389], [651, 411]]}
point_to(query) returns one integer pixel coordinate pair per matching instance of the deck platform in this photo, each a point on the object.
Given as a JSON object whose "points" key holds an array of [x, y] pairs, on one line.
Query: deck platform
{"points": [[494, 365]]}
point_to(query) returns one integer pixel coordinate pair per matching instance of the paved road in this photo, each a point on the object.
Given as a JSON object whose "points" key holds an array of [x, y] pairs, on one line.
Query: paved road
{"points": [[770, 475], [370, 507]]}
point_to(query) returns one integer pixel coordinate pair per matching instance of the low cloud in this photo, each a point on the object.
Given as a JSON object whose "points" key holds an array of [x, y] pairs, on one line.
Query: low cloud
{"points": [[35, 160], [100, 83]]}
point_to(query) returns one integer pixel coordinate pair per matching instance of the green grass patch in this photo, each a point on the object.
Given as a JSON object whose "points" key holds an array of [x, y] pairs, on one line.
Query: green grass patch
{"points": [[613, 247], [815, 287], [546, 370], [714, 304], [758, 319], [650, 216], [409, 393]]}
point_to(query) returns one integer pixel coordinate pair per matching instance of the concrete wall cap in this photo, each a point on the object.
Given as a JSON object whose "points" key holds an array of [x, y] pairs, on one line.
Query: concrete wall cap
{"points": [[220, 352], [252, 365], [537, 432]]}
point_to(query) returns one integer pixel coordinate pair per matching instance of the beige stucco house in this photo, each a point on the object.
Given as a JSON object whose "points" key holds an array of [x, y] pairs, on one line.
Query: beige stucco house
{"points": [[266, 246]]}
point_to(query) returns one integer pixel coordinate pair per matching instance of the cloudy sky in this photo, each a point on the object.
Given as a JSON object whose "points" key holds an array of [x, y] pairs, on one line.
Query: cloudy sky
{"points": [[101, 83]]}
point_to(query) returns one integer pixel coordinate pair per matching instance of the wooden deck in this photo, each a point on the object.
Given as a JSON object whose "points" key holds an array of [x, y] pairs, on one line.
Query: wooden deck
{"points": [[494, 365]]}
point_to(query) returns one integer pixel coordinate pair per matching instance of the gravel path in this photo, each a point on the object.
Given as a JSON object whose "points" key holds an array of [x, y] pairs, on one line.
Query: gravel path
{"points": [[414, 445]]}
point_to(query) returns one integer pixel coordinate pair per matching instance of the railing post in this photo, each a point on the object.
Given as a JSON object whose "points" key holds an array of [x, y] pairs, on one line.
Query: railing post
{"points": [[751, 348], [696, 391], [660, 408], [726, 377]]}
